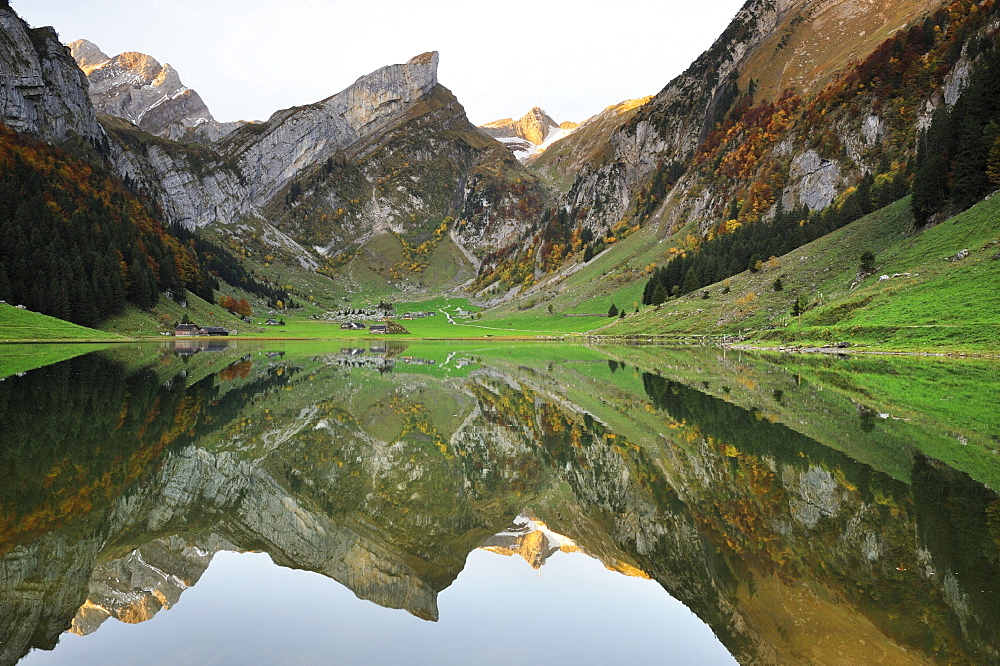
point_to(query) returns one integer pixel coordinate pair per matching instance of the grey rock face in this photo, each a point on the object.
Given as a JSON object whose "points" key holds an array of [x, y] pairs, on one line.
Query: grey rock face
{"points": [[815, 181], [42, 91], [272, 153], [819, 495], [194, 187]]}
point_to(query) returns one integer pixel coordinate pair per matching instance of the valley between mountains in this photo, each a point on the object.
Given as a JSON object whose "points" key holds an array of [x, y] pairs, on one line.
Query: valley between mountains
{"points": [[822, 176]]}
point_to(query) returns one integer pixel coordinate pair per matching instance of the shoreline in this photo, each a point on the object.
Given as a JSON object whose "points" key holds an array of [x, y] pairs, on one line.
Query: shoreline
{"points": [[624, 340]]}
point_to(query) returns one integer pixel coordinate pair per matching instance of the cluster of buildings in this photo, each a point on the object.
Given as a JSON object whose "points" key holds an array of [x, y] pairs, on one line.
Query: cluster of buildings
{"points": [[194, 329], [383, 328], [358, 326]]}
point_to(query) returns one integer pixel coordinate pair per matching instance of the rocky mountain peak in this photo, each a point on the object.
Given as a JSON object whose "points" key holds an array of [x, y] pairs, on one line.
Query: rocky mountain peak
{"points": [[534, 126], [406, 82], [344, 121], [527, 135], [131, 84], [531, 539], [87, 54], [428, 58], [136, 87]]}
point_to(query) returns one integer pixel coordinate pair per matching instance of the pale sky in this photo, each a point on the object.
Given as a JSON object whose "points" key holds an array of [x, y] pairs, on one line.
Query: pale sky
{"points": [[250, 58]]}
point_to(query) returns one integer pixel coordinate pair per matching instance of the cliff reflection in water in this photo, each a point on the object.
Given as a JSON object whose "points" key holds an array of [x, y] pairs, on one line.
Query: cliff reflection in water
{"points": [[787, 510]]}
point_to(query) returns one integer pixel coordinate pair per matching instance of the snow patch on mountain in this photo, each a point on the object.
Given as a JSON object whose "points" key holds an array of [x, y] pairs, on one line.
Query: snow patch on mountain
{"points": [[532, 133]]}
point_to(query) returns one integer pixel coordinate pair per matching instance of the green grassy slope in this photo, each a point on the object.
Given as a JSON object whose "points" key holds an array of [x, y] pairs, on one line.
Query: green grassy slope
{"points": [[368, 275], [940, 306], [617, 276], [27, 326], [166, 314]]}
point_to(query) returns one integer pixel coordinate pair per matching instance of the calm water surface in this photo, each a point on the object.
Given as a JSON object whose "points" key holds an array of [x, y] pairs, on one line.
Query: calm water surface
{"points": [[301, 503]]}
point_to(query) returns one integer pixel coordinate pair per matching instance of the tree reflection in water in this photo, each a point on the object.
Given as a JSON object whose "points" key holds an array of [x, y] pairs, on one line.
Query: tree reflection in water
{"points": [[797, 522]]}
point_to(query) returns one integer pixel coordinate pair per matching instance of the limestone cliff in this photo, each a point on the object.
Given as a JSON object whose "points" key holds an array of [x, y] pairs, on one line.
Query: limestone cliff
{"points": [[274, 152], [42, 91]]}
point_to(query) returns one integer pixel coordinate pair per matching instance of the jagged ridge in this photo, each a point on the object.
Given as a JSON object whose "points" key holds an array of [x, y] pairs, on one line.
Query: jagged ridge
{"points": [[137, 88]]}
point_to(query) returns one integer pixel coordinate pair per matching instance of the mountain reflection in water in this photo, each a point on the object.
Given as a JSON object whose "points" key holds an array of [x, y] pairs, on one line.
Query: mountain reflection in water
{"points": [[807, 510]]}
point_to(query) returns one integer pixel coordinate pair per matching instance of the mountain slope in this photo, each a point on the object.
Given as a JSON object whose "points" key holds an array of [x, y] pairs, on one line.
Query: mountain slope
{"points": [[77, 244], [917, 295], [692, 166], [673, 125], [589, 141], [392, 154], [83, 236]]}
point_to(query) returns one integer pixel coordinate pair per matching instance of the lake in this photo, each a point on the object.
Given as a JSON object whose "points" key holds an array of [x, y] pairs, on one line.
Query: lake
{"points": [[476, 502]]}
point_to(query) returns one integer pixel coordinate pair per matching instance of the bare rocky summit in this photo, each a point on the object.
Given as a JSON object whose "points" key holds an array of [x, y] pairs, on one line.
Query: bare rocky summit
{"points": [[273, 152], [137, 88], [533, 126], [524, 135], [87, 54]]}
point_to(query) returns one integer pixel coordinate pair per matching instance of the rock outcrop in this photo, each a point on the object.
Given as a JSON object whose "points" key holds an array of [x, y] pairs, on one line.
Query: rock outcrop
{"points": [[42, 91]]}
